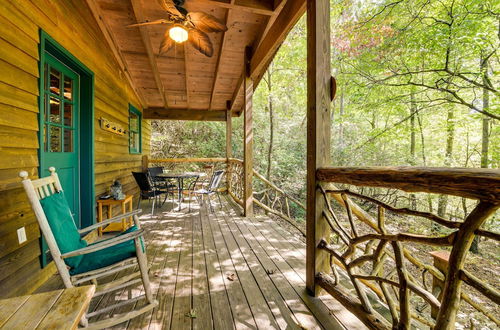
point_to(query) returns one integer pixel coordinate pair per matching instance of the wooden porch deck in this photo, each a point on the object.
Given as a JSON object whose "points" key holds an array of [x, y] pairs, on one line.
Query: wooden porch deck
{"points": [[228, 272]]}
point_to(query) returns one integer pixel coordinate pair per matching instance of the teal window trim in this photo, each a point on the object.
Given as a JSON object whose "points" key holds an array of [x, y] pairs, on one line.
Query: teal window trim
{"points": [[133, 111]]}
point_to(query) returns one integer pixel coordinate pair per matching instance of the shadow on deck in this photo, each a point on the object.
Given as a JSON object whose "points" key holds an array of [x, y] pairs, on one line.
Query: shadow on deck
{"points": [[222, 271]]}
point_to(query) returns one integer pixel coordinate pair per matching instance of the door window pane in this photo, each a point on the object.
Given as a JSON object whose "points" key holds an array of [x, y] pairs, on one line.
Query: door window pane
{"points": [[46, 145], [68, 114], [134, 125], [55, 110], [55, 81], [46, 103], [68, 88], [134, 122], [133, 140], [46, 76], [55, 139], [68, 140]]}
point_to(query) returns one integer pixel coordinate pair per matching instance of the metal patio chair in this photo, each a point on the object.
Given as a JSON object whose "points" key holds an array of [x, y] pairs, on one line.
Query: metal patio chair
{"points": [[158, 182], [149, 189], [213, 188], [79, 262], [189, 191]]}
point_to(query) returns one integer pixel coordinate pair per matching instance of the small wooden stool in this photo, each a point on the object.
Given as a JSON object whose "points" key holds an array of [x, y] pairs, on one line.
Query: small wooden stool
{"points": [[109, 203]]}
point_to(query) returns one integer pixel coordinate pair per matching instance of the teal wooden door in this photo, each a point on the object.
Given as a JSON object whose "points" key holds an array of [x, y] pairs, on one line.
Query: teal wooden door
{"points": [[60, 118]]}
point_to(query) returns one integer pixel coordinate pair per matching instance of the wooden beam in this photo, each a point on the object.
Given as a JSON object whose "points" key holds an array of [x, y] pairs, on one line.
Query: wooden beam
{"points": [[229, 149], [229, 133], [219, 56], [137, 7], [279, 7], [186, 72], [252, 6], [187, 160], [248, 139], [287, 18], [236, 92], [184, 114], [476, 183], [96, 11], [318, 135]]}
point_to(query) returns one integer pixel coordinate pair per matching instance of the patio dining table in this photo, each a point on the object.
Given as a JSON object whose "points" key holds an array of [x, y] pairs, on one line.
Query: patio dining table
{"points": [[180, 180]]}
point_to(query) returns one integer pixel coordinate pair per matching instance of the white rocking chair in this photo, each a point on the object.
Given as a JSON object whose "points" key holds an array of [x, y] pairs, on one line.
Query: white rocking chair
{"points": [[40, 189]]}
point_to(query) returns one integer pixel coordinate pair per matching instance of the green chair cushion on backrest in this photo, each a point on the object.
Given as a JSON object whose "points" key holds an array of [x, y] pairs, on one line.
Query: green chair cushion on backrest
{"points": [[63, 226], [107, 256]]}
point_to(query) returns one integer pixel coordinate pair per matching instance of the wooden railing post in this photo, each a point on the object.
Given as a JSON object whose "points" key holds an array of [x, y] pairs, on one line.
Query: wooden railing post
{"points": [[318, 134], [145, 162], [461, 245], [229, 151], [441, 259], [248, 138]]}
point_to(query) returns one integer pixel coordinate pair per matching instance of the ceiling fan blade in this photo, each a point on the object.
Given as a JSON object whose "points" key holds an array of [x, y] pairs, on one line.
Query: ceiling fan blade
{"points": [[171, 8], [201, 42], [158, 21], [206, 22], [166, 44]]}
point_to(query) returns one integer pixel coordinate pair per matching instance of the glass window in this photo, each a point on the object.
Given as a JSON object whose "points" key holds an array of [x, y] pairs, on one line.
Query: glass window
{"points": [[134, 130]]}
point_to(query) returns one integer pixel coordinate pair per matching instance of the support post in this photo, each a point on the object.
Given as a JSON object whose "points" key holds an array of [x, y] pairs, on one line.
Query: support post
{"points": [[318, 135], [229, 151], [248, 137]]}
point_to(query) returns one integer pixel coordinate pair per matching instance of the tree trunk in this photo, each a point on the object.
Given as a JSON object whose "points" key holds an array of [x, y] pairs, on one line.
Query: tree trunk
{"points": [[424, 159], [413, 112], [485, 142], [450, 137], [341, 114]]}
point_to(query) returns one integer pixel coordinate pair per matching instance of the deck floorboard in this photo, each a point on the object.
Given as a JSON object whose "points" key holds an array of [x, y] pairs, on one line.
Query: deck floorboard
{"points": [[223, 271]]}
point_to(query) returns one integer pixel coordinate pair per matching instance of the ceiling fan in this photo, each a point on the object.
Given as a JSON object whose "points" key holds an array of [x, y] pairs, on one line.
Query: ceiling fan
{"points": [[186, 26]]}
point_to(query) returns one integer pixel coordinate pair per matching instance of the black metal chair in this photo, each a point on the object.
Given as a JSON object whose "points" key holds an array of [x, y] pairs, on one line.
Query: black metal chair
{"points": [[213, 188], [154, 171], [161, 183], [149, 189]]}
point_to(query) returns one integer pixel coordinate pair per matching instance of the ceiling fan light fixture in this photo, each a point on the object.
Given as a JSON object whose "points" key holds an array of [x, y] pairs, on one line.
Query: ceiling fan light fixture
{"points": [[178, 34]]}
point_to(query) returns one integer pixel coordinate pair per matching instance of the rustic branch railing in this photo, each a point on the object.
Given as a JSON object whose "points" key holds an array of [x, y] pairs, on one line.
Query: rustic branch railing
{"points": [[235, 179], [276, 201], [375, 256], [268, 196]]}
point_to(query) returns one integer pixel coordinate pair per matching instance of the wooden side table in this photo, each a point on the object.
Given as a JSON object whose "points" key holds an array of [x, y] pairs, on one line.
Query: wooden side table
{"points": [[109, 203]]}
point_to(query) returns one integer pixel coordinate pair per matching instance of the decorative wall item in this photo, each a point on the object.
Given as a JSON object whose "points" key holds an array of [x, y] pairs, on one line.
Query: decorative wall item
{"points": [[112, 127]]}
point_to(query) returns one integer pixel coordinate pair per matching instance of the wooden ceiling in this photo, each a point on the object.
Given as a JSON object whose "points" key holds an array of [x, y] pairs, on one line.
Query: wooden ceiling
{"points": [[183, 83]]}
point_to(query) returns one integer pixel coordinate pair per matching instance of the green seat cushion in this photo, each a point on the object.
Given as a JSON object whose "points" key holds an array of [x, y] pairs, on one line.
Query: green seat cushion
{"points": [[63, 226], [107, 256]]}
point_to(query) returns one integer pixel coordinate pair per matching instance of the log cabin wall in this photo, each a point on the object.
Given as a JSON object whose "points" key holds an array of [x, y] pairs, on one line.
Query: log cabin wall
{"points": [[72, 25]]}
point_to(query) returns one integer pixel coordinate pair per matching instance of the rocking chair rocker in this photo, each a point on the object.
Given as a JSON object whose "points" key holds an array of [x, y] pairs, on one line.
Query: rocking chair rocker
{"points": [[78, 262]]}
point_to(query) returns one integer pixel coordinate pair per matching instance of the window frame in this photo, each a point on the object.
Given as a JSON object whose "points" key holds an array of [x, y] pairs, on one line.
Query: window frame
{"points": [[136, 112]]}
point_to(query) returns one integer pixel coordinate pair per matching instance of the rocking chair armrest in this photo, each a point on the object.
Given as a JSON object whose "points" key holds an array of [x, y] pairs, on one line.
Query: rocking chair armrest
{"points": [[108, 221], [104, 244]]}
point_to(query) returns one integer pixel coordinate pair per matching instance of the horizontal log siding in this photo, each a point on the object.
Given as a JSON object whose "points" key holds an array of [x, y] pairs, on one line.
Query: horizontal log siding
{"points": [[71, 23]]}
